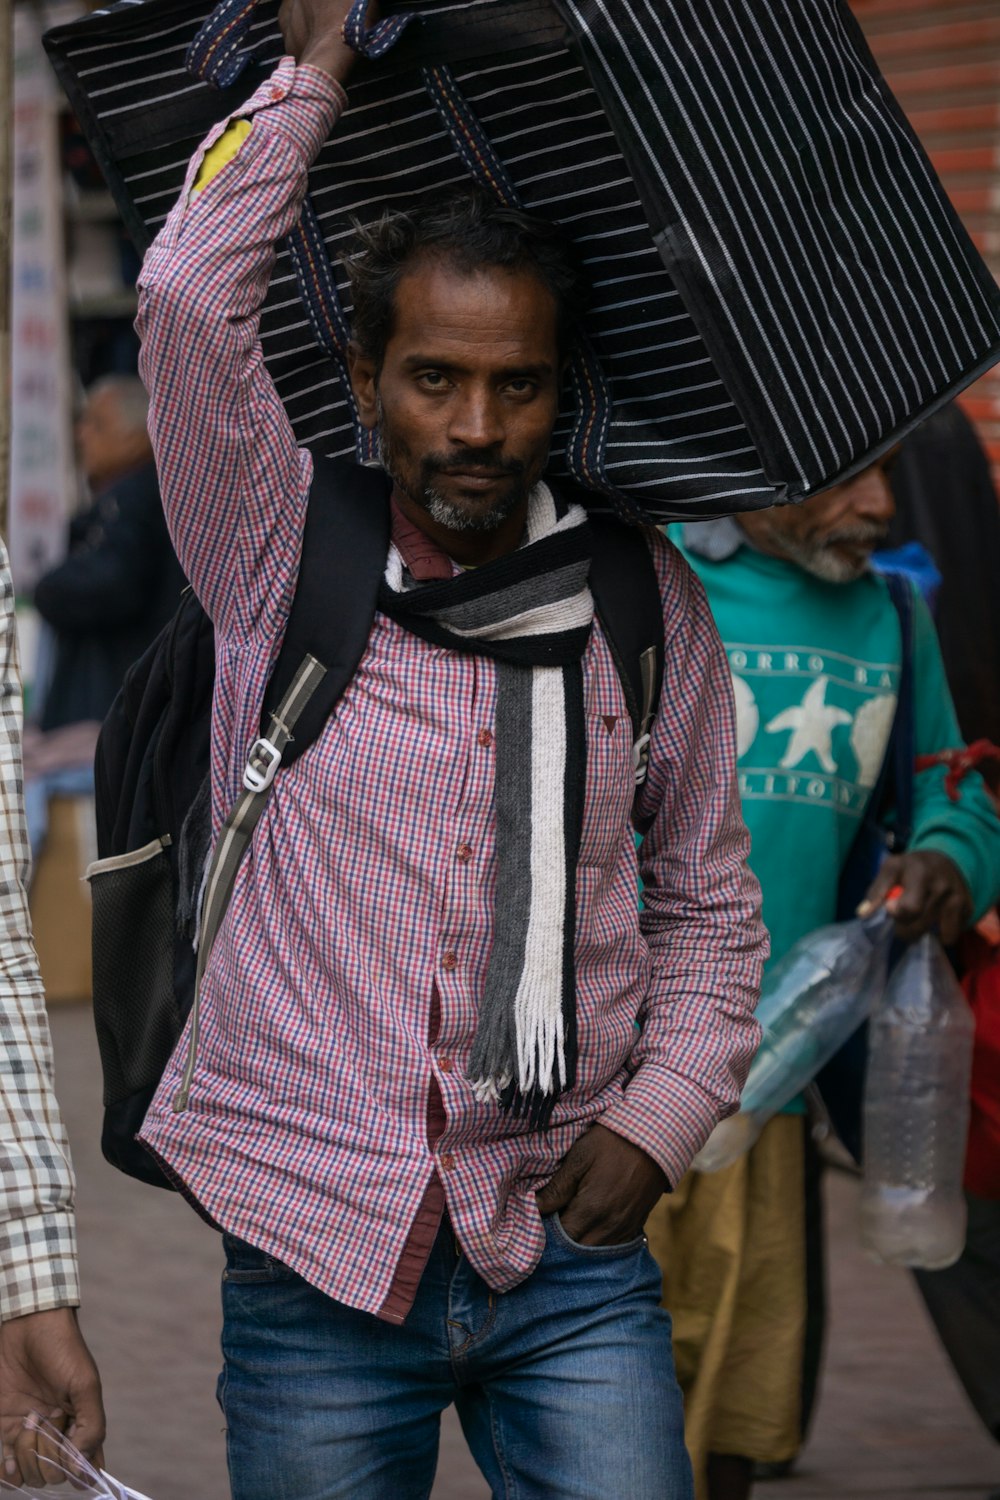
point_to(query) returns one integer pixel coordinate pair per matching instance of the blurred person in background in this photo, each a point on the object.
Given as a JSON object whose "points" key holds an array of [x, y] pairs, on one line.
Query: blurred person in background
{"points": [[816, 652], [946, 501], [46, 1370], [106, 601]]}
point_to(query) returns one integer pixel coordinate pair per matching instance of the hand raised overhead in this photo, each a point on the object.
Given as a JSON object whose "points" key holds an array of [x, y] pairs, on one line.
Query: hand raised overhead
{"points": [[314, 34]]}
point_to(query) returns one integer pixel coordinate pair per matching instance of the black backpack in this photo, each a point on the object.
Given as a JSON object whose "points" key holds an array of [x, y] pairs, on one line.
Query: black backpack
{"points": [[152, 908]]}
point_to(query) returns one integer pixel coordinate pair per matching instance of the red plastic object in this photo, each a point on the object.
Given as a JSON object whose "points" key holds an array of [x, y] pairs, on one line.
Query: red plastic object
{"points": [[979, 961]]}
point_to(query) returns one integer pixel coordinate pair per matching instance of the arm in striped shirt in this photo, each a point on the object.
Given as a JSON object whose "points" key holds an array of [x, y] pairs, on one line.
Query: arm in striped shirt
{"points": [[701, 916], [38, 1269], [233, 480]]}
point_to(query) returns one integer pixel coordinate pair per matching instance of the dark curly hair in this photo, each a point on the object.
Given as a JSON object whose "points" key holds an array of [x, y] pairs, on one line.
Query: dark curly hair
{"points": [[470, 229]]}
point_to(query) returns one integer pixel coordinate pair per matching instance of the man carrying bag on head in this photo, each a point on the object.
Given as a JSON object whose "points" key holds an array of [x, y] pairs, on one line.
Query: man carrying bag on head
{"points": [[416, 1100]]}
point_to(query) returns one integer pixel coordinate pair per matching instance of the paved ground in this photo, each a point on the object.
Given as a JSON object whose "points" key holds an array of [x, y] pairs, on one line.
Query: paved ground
{"points": [[892, 1421]]}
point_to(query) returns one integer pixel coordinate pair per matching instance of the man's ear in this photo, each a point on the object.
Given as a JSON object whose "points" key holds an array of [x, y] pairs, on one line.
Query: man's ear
{"points": [[364, 384]]}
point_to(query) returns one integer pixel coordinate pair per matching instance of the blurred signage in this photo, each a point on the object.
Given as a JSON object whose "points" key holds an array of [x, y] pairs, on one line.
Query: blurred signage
{"points": [[41, 462]]}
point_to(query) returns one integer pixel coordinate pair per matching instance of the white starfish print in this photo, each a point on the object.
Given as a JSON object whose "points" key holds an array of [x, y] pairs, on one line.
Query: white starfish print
{"points": [[812, 725]]}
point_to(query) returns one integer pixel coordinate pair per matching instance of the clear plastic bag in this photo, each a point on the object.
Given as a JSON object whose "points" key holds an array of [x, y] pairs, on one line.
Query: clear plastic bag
{"points": [[916, 1114], [811, 1002], [88, 1483]]}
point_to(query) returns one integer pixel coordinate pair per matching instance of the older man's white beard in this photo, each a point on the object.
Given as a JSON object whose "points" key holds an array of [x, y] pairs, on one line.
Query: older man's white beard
{"points": [[822, 560]]}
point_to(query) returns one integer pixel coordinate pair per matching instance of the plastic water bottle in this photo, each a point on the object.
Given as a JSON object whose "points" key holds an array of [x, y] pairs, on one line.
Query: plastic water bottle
{"points": [[812, 1000], [916, 1114]]}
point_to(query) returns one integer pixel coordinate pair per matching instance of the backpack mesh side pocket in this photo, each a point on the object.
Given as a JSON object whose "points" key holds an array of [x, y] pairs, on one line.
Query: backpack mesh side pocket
{"points": [[135, 1008]]}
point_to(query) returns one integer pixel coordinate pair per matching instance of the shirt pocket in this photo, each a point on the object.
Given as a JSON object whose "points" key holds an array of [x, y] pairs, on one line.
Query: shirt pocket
{"points": [[610, 785]]}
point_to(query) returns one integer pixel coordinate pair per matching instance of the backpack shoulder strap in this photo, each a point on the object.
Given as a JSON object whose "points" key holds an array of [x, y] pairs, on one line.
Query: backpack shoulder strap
{"points": [[892, 794], [900, 762], [344, 549], [626, 594]]}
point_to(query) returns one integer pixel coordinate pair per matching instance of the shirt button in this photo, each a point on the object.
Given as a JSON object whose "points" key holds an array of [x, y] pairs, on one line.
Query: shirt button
{"points": [[485, 738], [449, 960], [446, 1064], [463, 853], [446, 1162]]}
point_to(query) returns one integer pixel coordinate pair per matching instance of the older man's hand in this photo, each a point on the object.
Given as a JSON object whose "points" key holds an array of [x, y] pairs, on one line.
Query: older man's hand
{"points": [[934, 894]]}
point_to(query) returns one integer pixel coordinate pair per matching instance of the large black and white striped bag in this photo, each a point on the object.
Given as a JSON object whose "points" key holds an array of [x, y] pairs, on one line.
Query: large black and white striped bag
{"points": [[781, 287]]}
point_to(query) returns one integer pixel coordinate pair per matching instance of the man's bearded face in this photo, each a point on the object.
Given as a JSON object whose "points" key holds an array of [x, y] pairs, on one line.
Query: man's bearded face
{"points": [[468, 392], [832, 535]]}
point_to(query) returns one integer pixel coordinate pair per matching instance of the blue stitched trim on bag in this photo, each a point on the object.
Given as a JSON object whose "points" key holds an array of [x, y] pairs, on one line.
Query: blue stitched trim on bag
{"points": [[468, 136], [216, 56], [321, 300], [376, 40], [316, 284]]}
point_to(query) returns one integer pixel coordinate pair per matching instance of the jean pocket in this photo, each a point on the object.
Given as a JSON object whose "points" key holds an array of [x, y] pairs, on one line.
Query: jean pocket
{"points": [[248, 1266], [594, 1252]]}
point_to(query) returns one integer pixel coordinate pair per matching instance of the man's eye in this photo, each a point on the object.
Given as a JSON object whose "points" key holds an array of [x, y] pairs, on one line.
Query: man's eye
{"points": [[522, 386], [434, 379]]}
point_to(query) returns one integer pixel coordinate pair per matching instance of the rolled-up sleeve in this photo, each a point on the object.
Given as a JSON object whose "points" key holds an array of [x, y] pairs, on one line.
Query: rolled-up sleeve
{"points": [[701, 916], [234, 482]]}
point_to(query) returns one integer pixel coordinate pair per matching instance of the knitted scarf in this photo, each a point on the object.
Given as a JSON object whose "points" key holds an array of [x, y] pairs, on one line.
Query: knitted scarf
{"points": [[531, 611]]}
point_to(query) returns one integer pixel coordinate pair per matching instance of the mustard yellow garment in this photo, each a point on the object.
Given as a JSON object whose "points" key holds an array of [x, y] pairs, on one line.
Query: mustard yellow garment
{"points": [[731, 1246], [219, 155]]}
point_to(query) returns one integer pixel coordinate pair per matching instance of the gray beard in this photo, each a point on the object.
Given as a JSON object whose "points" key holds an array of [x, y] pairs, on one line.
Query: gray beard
{"points": [[823, 562], [457, 519], [453, 517], [829, 566]]}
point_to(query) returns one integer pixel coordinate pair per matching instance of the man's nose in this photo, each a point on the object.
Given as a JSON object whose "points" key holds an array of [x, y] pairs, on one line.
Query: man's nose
{"points": [[476, 420], [872, 497]]}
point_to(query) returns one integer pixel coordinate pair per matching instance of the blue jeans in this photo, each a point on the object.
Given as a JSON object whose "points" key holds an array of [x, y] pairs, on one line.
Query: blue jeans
{"points": [[564, 1386]]}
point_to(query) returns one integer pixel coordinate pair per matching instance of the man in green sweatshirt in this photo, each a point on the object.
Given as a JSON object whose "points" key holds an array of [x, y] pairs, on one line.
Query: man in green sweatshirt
{"points": [[814, 646]]}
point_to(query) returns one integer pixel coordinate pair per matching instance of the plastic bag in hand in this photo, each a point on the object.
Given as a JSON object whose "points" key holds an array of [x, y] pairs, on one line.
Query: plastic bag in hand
{"points": [[88, 1483], [811, 1001], [916, 1113]]}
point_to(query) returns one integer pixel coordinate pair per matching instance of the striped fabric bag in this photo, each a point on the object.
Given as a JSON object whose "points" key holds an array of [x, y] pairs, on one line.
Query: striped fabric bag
{"points": [[781, 288]]}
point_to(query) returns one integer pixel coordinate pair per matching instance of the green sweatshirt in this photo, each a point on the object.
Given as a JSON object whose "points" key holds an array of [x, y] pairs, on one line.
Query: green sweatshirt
{"points": [[816, 670]]}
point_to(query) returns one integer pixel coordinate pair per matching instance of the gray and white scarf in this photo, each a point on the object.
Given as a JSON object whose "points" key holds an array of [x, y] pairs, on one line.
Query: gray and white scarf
{"points": [[531, 611]]}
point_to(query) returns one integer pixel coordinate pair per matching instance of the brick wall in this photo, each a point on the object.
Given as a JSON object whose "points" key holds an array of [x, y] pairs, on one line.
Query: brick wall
{"points": [[942, 61]]}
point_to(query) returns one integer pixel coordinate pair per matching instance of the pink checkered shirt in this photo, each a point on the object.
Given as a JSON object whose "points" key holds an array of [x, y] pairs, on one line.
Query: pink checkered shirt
{"points": [[372, 877]]}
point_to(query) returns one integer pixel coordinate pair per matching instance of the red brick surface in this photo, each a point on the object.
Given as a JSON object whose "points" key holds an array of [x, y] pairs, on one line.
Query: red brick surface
{"points": [[942, 61]]}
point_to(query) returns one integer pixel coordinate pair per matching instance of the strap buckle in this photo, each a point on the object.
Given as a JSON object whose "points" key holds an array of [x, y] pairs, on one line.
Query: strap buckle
{"points": [[262, 765], [640, 758]]}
